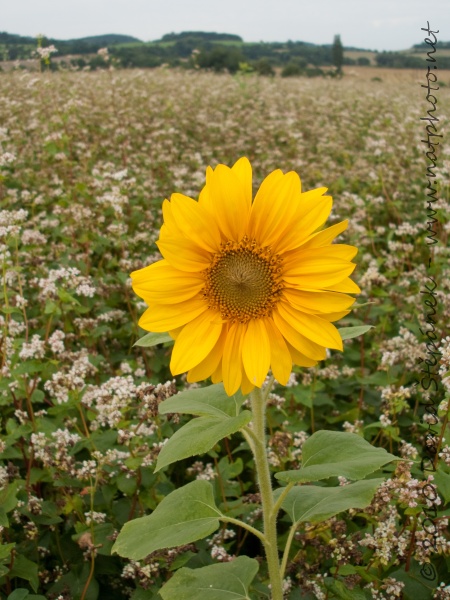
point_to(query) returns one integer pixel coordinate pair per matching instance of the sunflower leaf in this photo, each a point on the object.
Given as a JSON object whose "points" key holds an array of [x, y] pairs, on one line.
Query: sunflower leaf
{"points": [[199, 436], [211, 400], [184, 516], [151, 339], [336, 453], [348, 333], [315, 503], [214, 582]]}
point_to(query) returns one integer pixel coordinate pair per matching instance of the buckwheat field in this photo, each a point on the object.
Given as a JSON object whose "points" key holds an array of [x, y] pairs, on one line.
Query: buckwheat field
{"points": [[86, 160]]}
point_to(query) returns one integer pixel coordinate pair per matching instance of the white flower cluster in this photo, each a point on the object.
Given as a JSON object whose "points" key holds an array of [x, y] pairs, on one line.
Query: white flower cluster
{"points": [[103, 52], [4, 477], [56, 342], [70, 378], [45, 53], [70, 277], [95, 517], [403, 349], [115, 199], [33, 349], [444, 369], [110, 399], [6, 159], [55, 451], [201, 471], [11, 220]]}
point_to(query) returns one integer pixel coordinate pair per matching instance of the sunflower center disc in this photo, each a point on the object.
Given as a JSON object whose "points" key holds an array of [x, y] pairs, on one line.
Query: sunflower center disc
{"points": [[243, 281]]}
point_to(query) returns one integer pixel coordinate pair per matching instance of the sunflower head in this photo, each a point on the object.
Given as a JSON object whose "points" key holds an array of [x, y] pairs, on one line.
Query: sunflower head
{"points": [[246, 286]]}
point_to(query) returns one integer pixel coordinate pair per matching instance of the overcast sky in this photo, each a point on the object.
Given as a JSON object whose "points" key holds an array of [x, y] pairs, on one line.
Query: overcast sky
{"points": [[371, 24]]}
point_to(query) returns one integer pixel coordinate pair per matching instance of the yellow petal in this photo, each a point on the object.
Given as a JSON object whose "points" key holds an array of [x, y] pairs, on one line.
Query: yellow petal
{"points": [[209, 364], [332, 317], [232, 358], [160, 318], [183, 254], [297, 258], [317, 302], [313, 327], [280, 357], [326, 236], [274, 207], [195, 342], [256, 352], [296, 339], [300, 359], [310, 215], [243, 170], [161, 283], [174, 333], [230, 203], [217, 377], [195, 223], [346, 285], [170, 228], [318, 273], [246, 385]]}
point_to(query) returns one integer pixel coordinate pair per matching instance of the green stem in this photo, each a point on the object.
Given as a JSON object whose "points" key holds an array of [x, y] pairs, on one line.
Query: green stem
{"points": [[244, 525], [282, 496], [265, 489], [287, 548]]}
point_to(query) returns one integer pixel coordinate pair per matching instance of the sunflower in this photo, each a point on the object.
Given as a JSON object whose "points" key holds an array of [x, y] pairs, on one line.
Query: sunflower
{"points": [[245, 286]]}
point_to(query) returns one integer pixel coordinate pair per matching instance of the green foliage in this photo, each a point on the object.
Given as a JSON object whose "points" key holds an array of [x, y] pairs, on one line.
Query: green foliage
{"points": [[337, 53], [153, 339], [186, 515], [211, 400], [220, 59], [332, 453], [315, 504], [348, 333], [294, 68], [216, 582], [264, 67], [199, 436]]}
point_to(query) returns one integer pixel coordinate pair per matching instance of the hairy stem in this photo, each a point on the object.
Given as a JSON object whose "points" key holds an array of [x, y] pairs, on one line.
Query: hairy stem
{"points": [[265, 489]]}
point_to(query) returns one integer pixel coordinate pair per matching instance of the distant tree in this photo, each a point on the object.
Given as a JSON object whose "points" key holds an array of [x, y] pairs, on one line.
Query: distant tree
{"points": [[263, 67], [363, 61], [220, 59], [337, 53], [294, 68]]}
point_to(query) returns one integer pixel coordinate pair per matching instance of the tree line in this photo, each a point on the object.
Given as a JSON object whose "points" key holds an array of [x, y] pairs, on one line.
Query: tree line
{"points": [[207, 50]]}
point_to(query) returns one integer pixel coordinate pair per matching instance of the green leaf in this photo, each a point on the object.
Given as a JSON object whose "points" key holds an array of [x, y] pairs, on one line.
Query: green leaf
{"points": [[442, 480], [211, 400], [144, 595], [184, 516], [420, 581], [228, 581], [3, 570], [314, 503], [19, 594], [25, 569], [9, 310], [336, 453], [152, 339], [5, 551], [8, 499], [342, 592], [347, 333], [199, 436]]}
